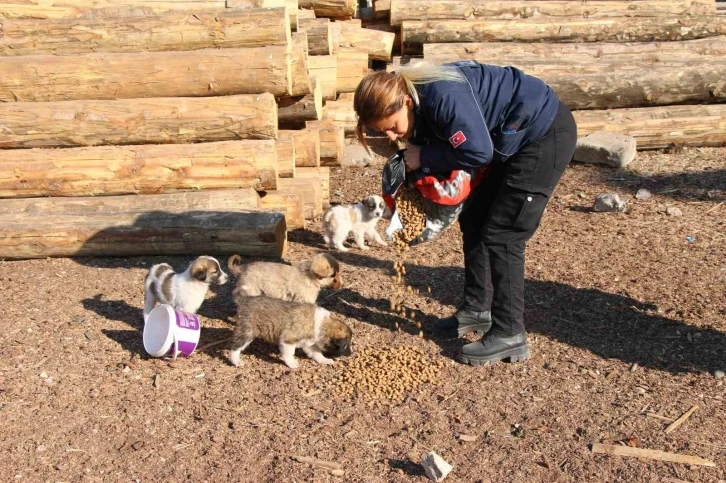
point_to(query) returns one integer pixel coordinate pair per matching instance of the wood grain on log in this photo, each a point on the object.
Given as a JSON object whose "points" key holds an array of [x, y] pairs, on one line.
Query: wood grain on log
{"points": [[213, 223], [299, 68], [404, 10], [196, 73], [352, 67], [144, 169], [295, 109], [137, 121], [506, 52], [55, 9], [286, 202], [660, 127], [378, 44], [332, 142], [307, 145], [199, 29], [320, 40], [325, 69], [320, 175], [330, 8], [311, 194], [564, 29]]}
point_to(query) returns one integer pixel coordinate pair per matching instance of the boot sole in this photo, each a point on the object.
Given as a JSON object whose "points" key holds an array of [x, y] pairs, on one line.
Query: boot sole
{"points": [[480, 330], [517, 354]]}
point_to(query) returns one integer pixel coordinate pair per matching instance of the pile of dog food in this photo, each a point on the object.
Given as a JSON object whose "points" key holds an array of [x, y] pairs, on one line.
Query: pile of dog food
{"points": [[389, 374], [409, 205]]}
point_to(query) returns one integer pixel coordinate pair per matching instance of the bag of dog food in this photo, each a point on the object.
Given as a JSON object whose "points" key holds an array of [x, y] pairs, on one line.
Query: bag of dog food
{"points": [[440, 197]]}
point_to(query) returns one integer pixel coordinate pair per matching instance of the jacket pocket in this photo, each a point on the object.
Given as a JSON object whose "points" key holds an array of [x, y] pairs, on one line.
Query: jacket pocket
{"points": [[506, 144]]}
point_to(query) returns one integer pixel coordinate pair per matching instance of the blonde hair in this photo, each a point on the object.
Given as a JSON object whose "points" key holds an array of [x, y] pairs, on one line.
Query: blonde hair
{"points": [[381, 94]]}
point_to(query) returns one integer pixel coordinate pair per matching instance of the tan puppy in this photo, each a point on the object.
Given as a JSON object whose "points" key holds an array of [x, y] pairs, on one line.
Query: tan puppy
{"points": [[290, 325], [300, 283], [183, 291]]}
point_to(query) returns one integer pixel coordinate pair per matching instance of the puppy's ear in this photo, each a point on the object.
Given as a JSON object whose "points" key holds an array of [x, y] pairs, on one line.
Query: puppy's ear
{"points": [[324, 266], [370, 203], [233, 264], [199, 270]]}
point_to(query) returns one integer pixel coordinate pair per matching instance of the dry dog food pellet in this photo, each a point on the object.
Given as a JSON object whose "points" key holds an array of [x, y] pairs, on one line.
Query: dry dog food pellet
{"points": [[390, 374]]}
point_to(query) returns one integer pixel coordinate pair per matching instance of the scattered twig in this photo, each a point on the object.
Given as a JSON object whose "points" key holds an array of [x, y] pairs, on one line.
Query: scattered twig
{"points": [[714, 208], [77, 450], [658, 416], [710, 445], [213, 344], [335, 292], [675, 480], [314, 392], [331, 465], [446, 398], [672, 427], [650, 454]]}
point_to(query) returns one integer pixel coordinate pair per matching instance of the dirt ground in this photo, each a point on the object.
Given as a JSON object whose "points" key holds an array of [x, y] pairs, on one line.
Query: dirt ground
{"points": [[626, 315]]}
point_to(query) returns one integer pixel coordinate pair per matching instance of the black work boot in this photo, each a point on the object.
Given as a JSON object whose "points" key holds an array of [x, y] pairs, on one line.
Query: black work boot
{"points": [[462, 322], [495, 347]]}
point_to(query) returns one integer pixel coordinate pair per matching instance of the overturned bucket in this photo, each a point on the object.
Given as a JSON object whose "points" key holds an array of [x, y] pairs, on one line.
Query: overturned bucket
{"points": [[171, 332]]}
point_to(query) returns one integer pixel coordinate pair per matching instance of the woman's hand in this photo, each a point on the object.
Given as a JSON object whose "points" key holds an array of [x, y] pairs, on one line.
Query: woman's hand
{"points": [[412, 157]]}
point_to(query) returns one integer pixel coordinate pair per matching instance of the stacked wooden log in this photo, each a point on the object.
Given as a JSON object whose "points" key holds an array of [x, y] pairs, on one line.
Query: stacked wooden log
{"points": [[152, 133], [640, 67]]}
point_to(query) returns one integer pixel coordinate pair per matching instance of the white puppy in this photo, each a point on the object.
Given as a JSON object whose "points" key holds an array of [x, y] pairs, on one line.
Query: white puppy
{"points": [[184, 291], [360, 218]]}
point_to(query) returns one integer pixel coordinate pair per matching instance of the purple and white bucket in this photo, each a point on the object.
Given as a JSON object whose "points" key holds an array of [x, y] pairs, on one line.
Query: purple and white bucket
{"points": [[171, 332]]}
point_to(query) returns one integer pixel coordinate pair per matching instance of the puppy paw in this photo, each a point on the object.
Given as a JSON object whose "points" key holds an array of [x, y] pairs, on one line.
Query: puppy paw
{"points": [[234, 359], [382, 243], [292, 363], [342, 248], [363, 247], [325, 361]]}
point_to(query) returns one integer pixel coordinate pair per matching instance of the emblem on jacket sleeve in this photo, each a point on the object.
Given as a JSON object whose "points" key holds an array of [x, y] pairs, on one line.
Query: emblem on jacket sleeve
{"points": [[457, 139]]}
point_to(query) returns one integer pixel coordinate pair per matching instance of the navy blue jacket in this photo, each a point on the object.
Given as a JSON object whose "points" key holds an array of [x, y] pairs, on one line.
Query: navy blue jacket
{"points": [[491, 116]]}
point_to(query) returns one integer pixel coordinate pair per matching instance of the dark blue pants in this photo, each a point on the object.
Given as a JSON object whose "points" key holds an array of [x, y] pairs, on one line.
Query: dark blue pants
{"points": [[503, 214]]}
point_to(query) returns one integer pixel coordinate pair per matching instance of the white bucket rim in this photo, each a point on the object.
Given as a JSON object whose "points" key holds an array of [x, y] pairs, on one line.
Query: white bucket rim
{"points": [[161, 314]]}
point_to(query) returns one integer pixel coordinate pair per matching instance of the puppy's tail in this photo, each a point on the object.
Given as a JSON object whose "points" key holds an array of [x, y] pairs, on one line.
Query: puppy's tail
{"points": [[233, 263]]}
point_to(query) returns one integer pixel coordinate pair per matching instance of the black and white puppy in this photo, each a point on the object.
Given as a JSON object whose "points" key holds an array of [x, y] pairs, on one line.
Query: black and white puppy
{"points": [[360, 219], [183, 291]]}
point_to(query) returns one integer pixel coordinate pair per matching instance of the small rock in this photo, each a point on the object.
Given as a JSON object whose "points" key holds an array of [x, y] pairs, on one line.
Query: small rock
{"points": [[643, 194], [467, 438], [719, 374], [157, 380], [355, 155], [43, 375], [673, 211], [609, 203], [338, 194], [602, 147], [435, 467], [138, 445], [337, 472], [126, 369], [88, 335]]}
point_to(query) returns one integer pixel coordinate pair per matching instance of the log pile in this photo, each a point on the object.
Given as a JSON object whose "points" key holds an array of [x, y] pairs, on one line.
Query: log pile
{"points": [[166, 113], [649, 68], [125, 121]]}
